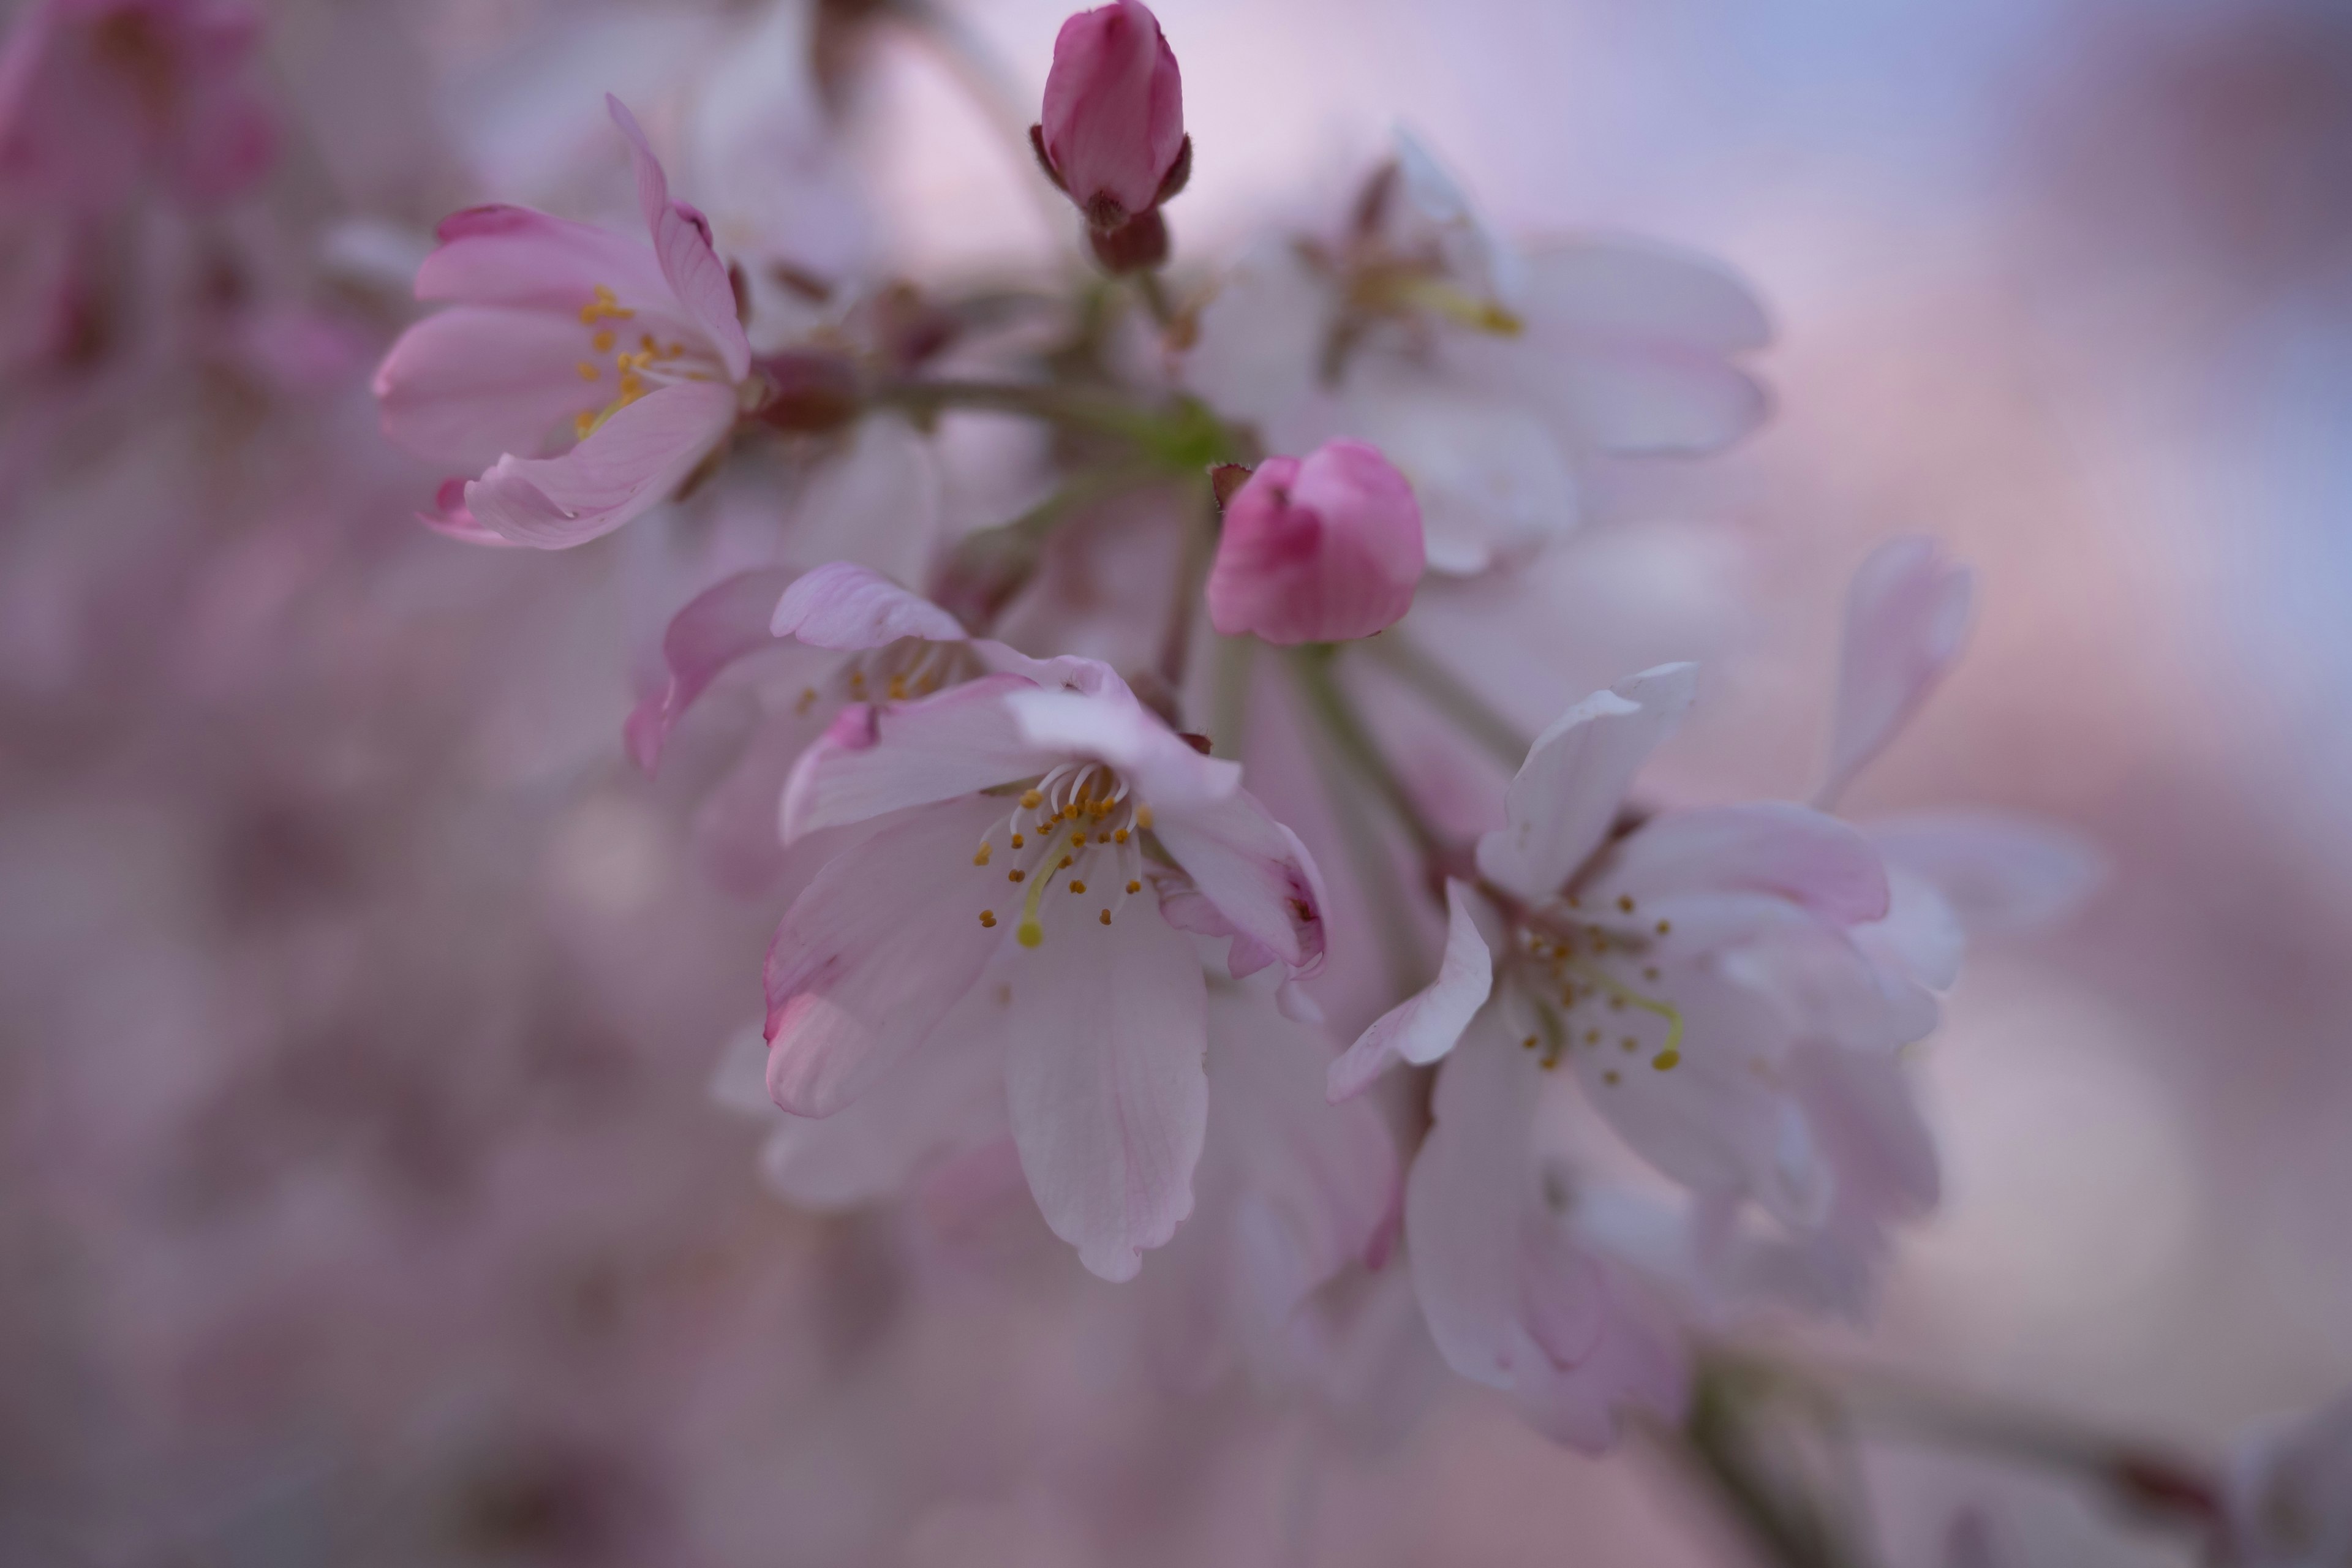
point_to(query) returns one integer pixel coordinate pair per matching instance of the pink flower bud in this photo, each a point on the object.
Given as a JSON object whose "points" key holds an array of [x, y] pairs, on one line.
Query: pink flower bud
{"points": [[1113, 130], [1317, 549]]}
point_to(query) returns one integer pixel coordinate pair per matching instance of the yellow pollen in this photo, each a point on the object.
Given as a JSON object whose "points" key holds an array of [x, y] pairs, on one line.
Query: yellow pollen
{"points": [[605, 307], [986, 851], [1119, 836], [1074, 887], [1015, 875], [1032, 799], [646, 342], [603, 341], [1625, 902], [1573, 902], [583, 427], [897, 689], [589, 372], [807, 702], [1609, 1076], [1106, 917], [1018, 841], [1549, 1063], [988, 918], [1143, 817], [1666, 926], [1135, 886], [1630, 1043], [1666, 1060], [1529, 1044], [1063, 862]]}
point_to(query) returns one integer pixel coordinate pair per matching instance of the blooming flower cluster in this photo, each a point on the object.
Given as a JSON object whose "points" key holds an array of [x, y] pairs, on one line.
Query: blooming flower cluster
{"points": [[1073, 679]]}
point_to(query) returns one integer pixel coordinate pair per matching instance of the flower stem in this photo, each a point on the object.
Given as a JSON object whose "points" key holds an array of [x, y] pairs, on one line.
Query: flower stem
{"points": [[1331, 705], [1451, 697]]}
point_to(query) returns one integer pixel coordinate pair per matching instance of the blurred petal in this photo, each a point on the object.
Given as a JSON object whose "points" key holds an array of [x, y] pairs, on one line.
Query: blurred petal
{"points": [[844, 605], [2002, 874], [1424, 1027], [681, 238], [467, 387], [1771, 846], [717, 627], [643, 453], [1906, 615]]}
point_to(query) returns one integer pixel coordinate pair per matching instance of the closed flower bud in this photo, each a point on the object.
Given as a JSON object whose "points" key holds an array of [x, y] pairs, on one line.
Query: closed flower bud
{"points": [[1113, 131], [1317, 549]]}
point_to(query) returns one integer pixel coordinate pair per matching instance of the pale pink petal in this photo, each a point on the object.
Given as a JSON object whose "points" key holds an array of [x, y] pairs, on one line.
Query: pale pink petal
{"points": [[1769, 847], [1255, 870], [1424, 1027], [2002, 874], [522, 259], [885, 757], [1865, 1114], [451, 518], [1657, 400], [682, 244], [1559, 806], [718, 625], [1906, 615], [1103, 1074], [1112, 727], [1921, 936], [875, 951], [1604, 1343], [643, 453], [843, 605], [1635, 291], [467, 387]]}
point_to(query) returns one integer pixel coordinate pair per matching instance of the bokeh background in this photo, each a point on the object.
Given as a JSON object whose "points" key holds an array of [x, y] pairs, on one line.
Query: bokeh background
{"points": [[362, 1197]]}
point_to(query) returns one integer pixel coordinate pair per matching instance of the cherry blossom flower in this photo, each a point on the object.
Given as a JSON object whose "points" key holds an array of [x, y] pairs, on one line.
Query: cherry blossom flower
{"points": [[1320, 549], [630, 360], [98, 97], [1051, 842], [1112, 133]]}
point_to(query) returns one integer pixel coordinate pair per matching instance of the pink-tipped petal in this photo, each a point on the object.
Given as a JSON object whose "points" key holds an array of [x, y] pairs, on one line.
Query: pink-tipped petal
{"points": [[1103, 1074], [682, 245], [452, 518], [1906, 615], [1424, 1027], [883, 757], [843, 605], [873, 953], [722, 624], [1559, 806], [467, 387], [643, 453]]}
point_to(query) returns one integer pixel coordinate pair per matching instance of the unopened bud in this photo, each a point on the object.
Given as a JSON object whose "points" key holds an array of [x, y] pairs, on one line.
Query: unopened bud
{"points": [[1322, 549], [1112, 134]]}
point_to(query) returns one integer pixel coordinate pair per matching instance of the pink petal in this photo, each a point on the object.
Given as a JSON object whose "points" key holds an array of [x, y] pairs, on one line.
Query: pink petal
{"points": [[682, 243], [1321, 549], [843, 605], [1656, 401], [467, 387], [1424, 1027], [1113, 120], [1811, 860], [881, 758], [522, 259], [718, 625], [451, 519], [1103, 1074], [1634, 291], [1560, 807], [1866, 1116], [2002, 874], [875, 950], [1255, 870], [1906, 615], [632, 465], [1110, 726]]}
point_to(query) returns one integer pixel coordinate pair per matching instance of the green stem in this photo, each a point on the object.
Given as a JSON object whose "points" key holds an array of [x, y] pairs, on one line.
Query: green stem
{"points": [[1370, 854], [1330, 704], [1451, 697], [1228, 713], [1184, 597], [1155, 298]]}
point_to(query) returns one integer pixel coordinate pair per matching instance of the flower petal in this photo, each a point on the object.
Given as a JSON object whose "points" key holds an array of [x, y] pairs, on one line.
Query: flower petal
{"points": [[1464, 1204], [718, 625], [1103, 1074], [1906, 614], [1768, 847], [467, 387], [2001, 873], [875, 951], [1424, 1027], [1635, 291], [1110, 726], [682, 245], [843, 605], [1561, 806], [523, 259], [877, 758], [1255, 870], [629, 467]]}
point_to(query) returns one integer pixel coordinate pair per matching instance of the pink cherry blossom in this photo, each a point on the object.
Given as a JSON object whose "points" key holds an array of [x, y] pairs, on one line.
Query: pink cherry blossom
{"points": [[98, 97], [1113, 127], [1021, 836], [626, 363], [1320, 549]]}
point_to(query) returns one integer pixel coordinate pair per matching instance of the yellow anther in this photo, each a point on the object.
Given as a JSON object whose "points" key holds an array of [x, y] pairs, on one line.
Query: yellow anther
{"points": [[1106, 917], [1610, 1077], [1032, 799], [603, 341], [1529, 1044], [1018, 841], [988, 918], [1650, 972], [646, 342], [1625, 902], [1074, 887], [1119, 836], [1666, 1060], [1591, 1036], [588, 372], [1015, 875], [1631, 1044], [1666, 926], [897, 689], [807, 702], [1063, 862], [1143, 817], [583, 427], [986, 851], [605, 307], [1135, 886]]}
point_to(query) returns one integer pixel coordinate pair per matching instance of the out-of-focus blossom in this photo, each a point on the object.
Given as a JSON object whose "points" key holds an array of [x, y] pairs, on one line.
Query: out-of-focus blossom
{"points": [[2289, 1496], [1112, 132], [1322, 549], [1071, 820], [564, 336], [100, 96], [1906, 617]]}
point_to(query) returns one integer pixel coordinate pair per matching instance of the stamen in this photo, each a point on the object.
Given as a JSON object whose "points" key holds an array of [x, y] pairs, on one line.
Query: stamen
{"points": [[1667, 1060], [1106, 917], [986, 851], [588, 372], [1015, 874], [1134, 886], [1074, 887], [988, 919]]}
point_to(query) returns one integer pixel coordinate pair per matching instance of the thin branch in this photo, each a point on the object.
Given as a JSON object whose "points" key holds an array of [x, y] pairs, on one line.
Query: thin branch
{"points": [[1451, 697]]}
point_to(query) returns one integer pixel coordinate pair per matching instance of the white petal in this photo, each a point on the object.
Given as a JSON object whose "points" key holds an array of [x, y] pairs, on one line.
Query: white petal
{"points": [[1424, 1027]]}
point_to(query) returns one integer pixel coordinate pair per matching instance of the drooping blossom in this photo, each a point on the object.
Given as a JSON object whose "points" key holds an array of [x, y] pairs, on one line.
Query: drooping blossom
{"points": [[583, 374], [1112, 132], [1044, 838], [2288, 1493], [1320, 549], [100, 96]]}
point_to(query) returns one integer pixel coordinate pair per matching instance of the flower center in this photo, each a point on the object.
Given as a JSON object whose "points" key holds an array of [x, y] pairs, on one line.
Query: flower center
{"points": [[636, 370], [1078, 827], [1594, 986], [898, 672]]}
